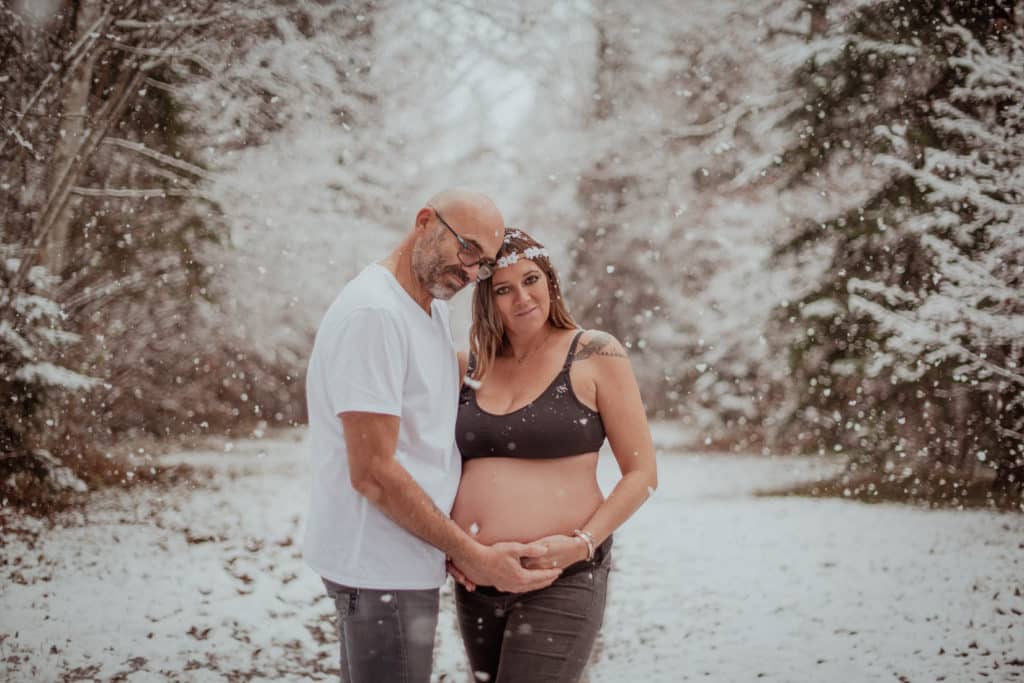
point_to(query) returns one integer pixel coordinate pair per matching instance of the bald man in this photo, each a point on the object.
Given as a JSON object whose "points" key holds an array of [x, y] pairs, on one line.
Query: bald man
{"points": [[382, 392]]}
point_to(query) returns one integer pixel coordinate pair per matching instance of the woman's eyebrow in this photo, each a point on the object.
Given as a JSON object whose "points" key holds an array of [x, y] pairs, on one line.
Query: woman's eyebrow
{"points": [[495, 283]]}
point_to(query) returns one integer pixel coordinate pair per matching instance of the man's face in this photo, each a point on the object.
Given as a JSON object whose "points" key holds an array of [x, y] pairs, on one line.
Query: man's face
{"points": [[434, 263], [439, 259]]}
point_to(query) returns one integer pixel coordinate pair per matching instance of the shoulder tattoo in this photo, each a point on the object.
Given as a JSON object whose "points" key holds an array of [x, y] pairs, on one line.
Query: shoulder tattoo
{"points": [[600, 344]]}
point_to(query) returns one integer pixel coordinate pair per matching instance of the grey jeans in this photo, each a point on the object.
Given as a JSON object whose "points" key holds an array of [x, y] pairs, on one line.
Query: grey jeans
{"points": [[546, 635], [385, 635]]}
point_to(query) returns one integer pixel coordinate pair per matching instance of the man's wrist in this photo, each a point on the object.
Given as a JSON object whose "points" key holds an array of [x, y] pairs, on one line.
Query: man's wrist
{"points": [[467, 550]]}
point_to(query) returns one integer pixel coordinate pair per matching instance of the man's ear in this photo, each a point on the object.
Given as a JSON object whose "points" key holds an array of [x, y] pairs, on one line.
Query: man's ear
{"points": [[423, 217]]}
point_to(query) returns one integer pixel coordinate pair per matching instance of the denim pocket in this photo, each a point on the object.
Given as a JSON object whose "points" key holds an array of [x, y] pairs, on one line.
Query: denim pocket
{"points": [[344, 598]]}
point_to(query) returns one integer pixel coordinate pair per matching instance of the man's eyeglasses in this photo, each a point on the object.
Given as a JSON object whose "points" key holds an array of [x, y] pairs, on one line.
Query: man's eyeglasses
{"points": [[469, 255]]}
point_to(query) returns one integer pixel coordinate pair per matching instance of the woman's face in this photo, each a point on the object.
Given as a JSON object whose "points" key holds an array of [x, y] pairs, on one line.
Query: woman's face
{"points": [[521, 295]]}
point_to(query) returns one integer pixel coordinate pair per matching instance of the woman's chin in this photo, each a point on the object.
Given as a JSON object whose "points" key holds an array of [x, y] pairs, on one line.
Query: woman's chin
{"points": [[525, 324]]}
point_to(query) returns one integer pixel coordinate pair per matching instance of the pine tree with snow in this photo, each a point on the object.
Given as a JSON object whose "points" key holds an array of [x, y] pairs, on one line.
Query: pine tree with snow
{"points": [[32, 341], [906, 353]]}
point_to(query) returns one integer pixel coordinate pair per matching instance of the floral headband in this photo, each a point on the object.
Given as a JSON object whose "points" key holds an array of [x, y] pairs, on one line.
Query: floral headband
{"points": [[528, 253]]}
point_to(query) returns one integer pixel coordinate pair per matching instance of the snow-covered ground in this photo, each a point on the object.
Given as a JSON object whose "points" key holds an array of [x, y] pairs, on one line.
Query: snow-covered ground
{"points": [[709, 583]]}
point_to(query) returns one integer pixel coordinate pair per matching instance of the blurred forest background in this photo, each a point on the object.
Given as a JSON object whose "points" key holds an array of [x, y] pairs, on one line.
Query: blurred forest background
{"points": [[804, 217]]}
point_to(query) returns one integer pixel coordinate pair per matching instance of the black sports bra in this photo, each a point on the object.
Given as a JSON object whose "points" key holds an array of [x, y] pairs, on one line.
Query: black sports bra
{"points": [[555, 425]]}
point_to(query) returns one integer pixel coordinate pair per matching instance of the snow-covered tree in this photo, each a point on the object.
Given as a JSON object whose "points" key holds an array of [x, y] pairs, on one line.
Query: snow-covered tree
{"points": [[673, 252], [881, 343], [32, 341], [288, 120], [967, 317], [79, 156], [116, 120]]}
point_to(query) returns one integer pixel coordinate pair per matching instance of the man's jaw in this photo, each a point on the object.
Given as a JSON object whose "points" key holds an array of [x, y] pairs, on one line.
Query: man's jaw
{"points": [[451, 282], [445, 287], [441, 291], [460, 278]]}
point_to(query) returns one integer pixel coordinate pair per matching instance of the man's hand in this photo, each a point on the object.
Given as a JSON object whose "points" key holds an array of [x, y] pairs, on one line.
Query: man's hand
{"points": [[562, 551], [501, 566]]}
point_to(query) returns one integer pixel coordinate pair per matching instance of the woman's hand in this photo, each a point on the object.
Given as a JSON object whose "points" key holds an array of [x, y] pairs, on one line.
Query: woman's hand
{"points": [[562, 551], [501, 565]]}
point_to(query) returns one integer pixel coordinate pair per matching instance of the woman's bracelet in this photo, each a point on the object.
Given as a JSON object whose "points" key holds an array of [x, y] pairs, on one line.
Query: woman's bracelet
{"points": [[587, 538]]}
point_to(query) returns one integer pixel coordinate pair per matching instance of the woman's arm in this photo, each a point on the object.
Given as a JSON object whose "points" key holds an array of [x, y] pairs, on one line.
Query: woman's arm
{"points": [[463, 364], [625, 422]]}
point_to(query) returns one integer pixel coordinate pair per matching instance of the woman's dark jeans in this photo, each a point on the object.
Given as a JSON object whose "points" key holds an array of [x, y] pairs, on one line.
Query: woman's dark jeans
{"points": [[544, 635], [386, 635]]}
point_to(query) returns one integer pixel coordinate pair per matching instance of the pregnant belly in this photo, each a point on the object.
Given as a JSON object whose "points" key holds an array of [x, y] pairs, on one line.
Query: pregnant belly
{"points": [[513, 499]]}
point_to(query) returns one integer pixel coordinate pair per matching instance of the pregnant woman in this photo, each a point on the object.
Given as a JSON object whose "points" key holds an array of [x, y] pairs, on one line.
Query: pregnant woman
{"points": [[539, 400]]}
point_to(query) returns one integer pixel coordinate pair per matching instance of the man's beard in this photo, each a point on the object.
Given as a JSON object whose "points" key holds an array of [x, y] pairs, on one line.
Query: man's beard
{"points": [[434, 274], [438, 284]]}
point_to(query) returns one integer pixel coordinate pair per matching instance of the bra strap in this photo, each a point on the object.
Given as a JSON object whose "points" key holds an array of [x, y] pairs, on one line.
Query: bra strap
{"points": [[572, 350]]}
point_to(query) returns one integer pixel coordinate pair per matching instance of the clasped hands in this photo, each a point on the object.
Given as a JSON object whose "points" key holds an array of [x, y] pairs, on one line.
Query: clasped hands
{"points": [[520, 567]]}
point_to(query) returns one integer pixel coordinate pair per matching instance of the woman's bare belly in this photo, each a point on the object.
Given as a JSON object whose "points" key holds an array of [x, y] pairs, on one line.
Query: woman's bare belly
{"points": [[515, 499]]}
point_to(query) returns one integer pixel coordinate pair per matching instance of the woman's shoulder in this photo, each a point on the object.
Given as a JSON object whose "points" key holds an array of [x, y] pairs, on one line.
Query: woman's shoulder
{"points": [[598, 345]]}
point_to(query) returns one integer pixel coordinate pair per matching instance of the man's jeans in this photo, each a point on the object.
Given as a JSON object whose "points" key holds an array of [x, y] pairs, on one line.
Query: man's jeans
{"points": [[546, 635], [386, 635]]}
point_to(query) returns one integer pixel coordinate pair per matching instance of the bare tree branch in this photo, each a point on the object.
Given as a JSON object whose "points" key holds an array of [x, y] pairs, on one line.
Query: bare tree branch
{"points": [[108, 116], [133, 192], [157, 156], [71, 61]]}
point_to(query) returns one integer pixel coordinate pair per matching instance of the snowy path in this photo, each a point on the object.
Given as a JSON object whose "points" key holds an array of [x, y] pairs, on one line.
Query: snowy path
{"points": [[709, 584]]}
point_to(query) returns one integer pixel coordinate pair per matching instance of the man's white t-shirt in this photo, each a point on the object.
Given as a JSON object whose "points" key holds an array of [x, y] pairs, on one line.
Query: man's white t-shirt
{"points": [[377, 351]]}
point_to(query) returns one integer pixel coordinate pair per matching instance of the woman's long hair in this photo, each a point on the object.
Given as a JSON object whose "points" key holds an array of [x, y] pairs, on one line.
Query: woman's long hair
{"points": [[487, 337]]}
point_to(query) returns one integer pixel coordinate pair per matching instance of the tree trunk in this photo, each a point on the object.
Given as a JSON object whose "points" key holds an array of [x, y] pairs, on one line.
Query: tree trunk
{"points": [[73, 133], [818, 10], [959, 412]]}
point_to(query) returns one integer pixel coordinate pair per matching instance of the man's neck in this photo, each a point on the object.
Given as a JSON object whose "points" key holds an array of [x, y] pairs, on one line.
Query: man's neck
{"points": [[399, 262]]}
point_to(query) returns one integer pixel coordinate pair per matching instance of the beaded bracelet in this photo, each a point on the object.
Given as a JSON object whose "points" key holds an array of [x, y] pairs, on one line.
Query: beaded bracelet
{"points": [[587, 538]]}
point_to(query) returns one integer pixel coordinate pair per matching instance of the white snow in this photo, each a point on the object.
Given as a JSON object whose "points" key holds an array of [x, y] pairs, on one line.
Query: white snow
{"points": [[710, 583], [48, 374]]}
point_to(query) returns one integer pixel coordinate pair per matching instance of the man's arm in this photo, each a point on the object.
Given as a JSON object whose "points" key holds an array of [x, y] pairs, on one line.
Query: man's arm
{"points": [[371, 439]]}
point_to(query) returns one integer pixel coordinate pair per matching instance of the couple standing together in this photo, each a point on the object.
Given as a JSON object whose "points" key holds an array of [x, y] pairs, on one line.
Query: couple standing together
{"points": [[481, 464]]}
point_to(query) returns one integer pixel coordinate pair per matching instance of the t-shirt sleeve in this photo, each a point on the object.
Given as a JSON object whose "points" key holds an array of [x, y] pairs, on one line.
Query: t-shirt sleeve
{"points": [[366, 366]]}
